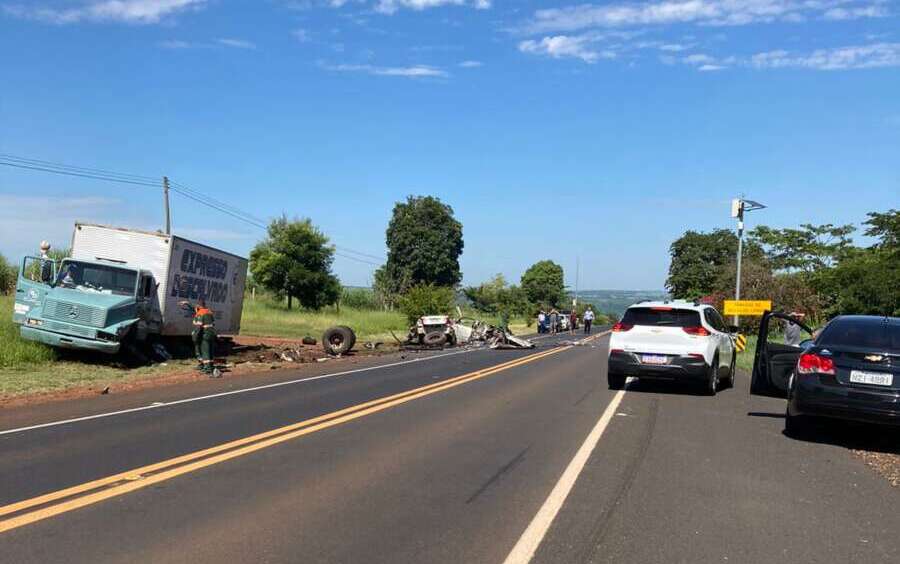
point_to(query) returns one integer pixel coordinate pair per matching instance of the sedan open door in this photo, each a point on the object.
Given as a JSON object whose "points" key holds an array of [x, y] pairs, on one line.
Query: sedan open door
{"points": [[774, 362]]}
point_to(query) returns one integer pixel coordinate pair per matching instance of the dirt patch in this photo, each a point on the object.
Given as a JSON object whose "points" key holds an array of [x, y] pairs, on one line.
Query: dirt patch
{"points": [[886, 464], [241, 357]]}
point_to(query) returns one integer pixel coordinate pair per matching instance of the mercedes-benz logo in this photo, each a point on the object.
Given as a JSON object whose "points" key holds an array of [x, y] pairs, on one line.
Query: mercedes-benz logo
{"points": [[73, 313]]}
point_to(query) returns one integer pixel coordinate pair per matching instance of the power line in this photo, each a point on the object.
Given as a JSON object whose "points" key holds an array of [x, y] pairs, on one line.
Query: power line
{"points": [[150, 182]]}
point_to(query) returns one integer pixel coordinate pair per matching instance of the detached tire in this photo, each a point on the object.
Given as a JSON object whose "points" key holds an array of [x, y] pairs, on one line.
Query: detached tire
{"points": [[435, 339], [338, 340]]}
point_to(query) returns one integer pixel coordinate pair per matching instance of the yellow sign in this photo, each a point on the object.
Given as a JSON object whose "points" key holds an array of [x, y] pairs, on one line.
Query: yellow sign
{"points": [[740, 342], [747, 307]]}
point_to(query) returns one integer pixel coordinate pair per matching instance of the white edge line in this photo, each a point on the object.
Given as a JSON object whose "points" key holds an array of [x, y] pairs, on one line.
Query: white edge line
{"points": [[528, 543], [158, 405]]}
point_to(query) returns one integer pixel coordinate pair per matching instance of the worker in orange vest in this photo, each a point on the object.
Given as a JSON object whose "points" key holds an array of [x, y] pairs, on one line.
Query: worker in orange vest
{"points": [[204, 335]]}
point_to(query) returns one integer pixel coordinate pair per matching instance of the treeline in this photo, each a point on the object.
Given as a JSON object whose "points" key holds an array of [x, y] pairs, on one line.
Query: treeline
{"points": [[816, 269]]}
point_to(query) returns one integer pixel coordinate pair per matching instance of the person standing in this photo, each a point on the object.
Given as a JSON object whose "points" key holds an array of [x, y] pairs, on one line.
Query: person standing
{"points": [[204, 335], [792, 332], [542, 322], [46, 263], [588, 320], [554, 321], [573, 321]]}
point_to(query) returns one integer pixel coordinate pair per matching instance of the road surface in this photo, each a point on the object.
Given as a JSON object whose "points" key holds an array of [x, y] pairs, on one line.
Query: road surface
{"points": [[482, 456]]}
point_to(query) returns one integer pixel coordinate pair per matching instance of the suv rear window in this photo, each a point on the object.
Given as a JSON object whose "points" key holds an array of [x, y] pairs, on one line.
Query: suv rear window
{"points": [[872, 333], [661, 317]]}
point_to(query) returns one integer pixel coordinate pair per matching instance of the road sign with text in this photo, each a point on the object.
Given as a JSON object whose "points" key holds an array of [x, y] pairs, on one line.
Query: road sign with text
{"points": [[747, 307]]}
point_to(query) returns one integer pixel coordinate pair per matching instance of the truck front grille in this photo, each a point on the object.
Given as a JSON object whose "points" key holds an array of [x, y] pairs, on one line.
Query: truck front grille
{"points": [[75, 313], [69, 329]]}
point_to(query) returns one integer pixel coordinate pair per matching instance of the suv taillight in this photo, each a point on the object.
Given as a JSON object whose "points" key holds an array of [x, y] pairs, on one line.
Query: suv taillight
{"points": [[697, 331], [814, 364], [621, 327]]}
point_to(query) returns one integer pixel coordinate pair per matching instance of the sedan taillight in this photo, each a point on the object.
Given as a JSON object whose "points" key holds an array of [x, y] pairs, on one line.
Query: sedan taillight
{"points": [[696, 331], [815, 364], [621, 327]]}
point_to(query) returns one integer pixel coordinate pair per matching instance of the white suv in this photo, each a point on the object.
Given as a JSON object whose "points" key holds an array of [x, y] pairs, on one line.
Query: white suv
{"points": [[672, 340]]}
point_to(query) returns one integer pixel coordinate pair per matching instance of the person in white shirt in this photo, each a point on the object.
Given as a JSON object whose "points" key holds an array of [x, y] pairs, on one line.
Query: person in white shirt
{"points": [[542, 319], [588, 320]]}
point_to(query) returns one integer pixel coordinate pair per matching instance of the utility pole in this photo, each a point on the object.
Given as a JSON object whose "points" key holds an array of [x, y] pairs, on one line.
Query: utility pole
{"points": [[577, 276], [166, 202], [738, 207]]}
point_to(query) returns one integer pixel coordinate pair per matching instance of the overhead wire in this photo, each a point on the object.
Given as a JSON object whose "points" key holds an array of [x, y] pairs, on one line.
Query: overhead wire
{"points": [[177, 187]]}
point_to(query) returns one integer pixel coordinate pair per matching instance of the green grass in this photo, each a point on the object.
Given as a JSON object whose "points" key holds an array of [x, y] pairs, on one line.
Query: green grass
{"points": [[15, 351], [267, 318]]}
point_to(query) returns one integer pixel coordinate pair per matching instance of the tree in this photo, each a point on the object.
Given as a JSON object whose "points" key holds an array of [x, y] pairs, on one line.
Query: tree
{"points": [[496, 296], [294, 261], [698, 258], [426, 299], [886, 227], [808, 249], [543, 284], [424, 243]]}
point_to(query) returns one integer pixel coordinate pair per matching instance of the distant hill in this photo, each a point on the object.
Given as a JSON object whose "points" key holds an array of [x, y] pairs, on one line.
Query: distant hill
{"points": [[616, 301]]}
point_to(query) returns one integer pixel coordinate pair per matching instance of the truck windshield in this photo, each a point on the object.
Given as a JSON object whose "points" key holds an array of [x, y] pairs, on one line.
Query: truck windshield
{"points": [[97, 278]]}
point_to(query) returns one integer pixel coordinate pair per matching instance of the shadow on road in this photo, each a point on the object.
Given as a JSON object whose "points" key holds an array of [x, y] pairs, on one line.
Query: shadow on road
{"points": [[667, 387], [852, 435]]}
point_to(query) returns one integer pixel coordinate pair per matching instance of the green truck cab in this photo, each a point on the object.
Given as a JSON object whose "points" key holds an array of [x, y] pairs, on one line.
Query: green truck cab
{"points": [[80, 304]]}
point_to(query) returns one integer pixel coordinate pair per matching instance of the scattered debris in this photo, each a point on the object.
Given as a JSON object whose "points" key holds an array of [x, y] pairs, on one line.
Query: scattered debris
{"points": [[104, 391], [308, 340], [372, 346]]}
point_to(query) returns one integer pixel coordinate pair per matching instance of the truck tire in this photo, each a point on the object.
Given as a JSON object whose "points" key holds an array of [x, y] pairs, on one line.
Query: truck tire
{"points": [[436, 339], [352, 335], [338, 340]]}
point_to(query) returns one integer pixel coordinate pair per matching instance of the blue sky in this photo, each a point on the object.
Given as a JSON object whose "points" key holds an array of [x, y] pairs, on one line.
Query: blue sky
{"points": [[554, 129]]}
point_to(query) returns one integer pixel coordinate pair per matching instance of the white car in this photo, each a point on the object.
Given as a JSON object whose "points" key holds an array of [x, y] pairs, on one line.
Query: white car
{"points": [[672, 340]]}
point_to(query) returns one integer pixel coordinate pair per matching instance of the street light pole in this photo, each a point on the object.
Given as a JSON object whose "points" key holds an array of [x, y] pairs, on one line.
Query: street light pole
{"points": [[738, 207]]}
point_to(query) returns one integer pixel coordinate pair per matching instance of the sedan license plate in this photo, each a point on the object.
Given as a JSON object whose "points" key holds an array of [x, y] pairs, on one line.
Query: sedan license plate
{"points": [[654, 359], [873, 378]]}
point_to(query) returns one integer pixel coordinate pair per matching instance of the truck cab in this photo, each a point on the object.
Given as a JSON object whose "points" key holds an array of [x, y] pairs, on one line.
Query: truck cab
{"points": [[89, 305]]}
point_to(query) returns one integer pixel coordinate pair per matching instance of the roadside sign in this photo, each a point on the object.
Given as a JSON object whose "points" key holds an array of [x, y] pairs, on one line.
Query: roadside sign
{"points": [[747, 307], [740, 342]]}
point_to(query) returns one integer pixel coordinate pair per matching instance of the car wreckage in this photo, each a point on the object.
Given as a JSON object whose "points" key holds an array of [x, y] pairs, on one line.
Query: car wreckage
{"points": [[438, 331]]}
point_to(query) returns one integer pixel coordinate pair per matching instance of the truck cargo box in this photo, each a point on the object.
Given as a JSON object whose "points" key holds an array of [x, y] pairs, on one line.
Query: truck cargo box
{"points": [[184, 270]]}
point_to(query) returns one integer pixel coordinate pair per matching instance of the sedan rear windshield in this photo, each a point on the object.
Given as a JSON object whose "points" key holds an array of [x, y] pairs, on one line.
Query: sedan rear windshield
{"points": [[875, 334], [661, 317]]}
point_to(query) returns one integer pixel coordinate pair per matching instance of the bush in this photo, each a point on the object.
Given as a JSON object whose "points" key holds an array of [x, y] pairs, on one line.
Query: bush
{"points": [[8, 274], [426, 299]]}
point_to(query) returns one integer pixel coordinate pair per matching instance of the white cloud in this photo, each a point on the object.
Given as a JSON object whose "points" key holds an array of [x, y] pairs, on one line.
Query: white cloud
{"points": [[878, 55], [236, 43], [471, 64], [391, 6], [565, 46], [415, 71], [706, 12], [122, 11]]}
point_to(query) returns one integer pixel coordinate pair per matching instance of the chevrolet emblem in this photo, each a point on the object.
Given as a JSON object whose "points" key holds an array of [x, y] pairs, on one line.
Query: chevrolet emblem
{"points": [[874, 357]]}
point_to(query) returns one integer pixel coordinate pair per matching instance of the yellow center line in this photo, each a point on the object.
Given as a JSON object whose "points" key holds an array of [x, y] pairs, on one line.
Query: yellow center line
{"points": [[135, 479]]}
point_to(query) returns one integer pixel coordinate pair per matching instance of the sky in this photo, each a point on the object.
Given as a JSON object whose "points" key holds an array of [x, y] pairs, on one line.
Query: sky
{"points": [[564, 130]]}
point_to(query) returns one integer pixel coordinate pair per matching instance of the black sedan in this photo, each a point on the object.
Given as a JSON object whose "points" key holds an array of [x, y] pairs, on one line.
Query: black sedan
{"points": [[850, 371]]}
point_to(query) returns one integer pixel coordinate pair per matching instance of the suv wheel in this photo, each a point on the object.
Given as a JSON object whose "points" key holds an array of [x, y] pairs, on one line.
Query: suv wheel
{"points": [[616, 381], [712, 383], [729, 380]]}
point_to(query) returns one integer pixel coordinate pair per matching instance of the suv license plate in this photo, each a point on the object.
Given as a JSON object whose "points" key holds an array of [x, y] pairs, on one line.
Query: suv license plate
{"points": [[873, 378], [654, 359]]}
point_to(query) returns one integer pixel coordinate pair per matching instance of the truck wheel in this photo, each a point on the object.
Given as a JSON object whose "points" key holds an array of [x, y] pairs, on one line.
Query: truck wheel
{"points": [[352, 336], [436, 339], [338, 340]]}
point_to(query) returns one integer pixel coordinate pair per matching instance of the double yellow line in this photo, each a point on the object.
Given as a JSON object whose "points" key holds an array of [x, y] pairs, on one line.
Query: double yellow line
{"points": [[55, 503]]}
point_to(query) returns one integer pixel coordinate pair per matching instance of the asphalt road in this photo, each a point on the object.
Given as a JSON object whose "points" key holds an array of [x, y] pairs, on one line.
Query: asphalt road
{"points": [[460, 465]]}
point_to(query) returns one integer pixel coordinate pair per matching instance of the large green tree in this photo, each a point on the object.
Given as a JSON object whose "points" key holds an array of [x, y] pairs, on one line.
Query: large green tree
{"points": [[808, 249], [424, 242], [294, 261], [496, 296], [699, 258], [543, 284]]}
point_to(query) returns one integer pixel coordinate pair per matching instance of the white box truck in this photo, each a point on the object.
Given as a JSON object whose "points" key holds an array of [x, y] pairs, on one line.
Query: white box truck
{"points": [[125, 284]]}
